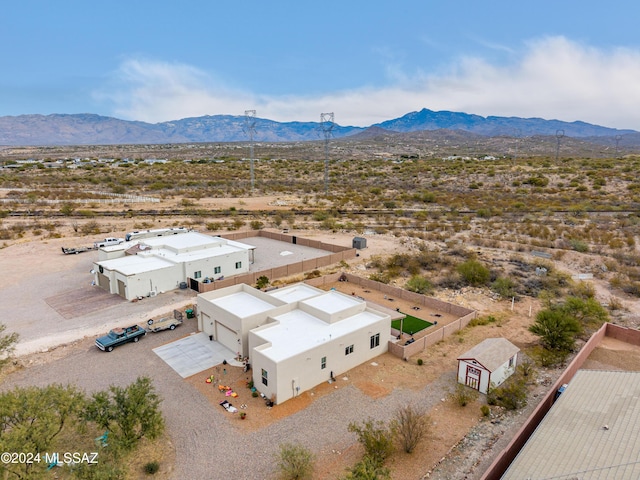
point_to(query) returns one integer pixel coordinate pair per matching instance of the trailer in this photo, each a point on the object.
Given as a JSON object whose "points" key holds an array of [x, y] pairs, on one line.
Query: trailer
{"points": [[75, 251], [168, 323]]}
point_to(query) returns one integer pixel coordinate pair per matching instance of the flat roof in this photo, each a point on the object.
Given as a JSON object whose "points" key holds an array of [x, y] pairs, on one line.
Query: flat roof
{"points": [[332, 302], [135, 264], [591, 432], [298, 331], [183, 240], [295, 293], [242, 304]]}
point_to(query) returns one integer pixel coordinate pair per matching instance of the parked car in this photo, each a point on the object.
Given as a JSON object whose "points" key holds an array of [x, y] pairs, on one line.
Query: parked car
{"points": [[120, 336], [167, 323], [108, 242]]}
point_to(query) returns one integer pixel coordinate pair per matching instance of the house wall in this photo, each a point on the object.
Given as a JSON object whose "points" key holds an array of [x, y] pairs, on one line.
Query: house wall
{"points": [[484, 374], [206, 266], [209, 313], [503, 372], [141, 284], [304, 369]]}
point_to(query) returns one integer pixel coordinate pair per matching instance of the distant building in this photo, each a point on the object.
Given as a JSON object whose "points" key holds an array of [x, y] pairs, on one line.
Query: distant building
{"points": [[159, 264], [488, 364]]}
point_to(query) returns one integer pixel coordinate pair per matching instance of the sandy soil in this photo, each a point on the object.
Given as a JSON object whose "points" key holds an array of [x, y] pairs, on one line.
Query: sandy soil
{"points": [[438, 454]]}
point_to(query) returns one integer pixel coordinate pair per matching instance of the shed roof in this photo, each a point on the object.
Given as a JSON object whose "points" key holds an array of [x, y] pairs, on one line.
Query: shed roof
{"points": [[491, 353], [591, 432]]}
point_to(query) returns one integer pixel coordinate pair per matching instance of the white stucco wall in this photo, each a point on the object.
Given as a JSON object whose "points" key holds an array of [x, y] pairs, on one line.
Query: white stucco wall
{"points": [[304, 370]]}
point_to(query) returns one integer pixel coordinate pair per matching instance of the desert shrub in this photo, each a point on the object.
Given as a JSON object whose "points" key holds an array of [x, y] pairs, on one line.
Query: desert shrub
{"points": [[420, 361], [419, 284], [256, 225], [485, 410], [579, 246], [474, 273], [90, 228], [151, 468], [376, 438], [556, 329], [367, 469], [410, 425], [511, 395], [463, 395], [482, 321], [294, 462], [262, 281], [505, 287]]}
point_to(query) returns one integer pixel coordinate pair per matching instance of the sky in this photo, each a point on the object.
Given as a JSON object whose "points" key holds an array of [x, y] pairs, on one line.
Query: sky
{"points": [[364, 61]]}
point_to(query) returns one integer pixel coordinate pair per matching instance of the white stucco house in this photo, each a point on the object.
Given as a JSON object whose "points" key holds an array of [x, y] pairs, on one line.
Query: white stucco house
{"points": [[295, 337], [488, 364], [154, 265]]}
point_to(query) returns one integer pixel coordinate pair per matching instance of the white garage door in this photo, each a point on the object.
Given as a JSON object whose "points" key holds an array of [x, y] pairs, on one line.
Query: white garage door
{"points": [[227, 337]]}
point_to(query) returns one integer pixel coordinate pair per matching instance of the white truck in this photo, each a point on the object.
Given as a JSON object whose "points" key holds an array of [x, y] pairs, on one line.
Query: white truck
{"points": [[108, 242]]}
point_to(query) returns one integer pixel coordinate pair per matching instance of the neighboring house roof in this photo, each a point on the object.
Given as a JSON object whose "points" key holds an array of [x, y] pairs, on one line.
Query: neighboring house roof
{"points": [[591, 432], [159, 252], [491, 353], [134, 265]]}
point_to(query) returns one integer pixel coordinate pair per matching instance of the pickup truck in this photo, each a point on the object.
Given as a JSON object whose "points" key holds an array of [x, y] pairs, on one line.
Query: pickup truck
{"points": [[108, 242], [168, 323], [119, 336]]}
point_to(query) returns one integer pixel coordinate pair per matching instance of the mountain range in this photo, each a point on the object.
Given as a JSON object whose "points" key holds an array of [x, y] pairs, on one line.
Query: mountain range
{"points": [[91, 129]]}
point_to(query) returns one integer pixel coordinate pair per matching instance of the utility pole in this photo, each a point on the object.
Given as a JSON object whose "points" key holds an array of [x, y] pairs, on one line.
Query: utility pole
{"points": [[327, 124], [250, 130]]}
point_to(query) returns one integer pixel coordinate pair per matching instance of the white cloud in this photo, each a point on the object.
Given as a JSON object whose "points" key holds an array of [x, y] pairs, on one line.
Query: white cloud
{"points": [[554, 78]]}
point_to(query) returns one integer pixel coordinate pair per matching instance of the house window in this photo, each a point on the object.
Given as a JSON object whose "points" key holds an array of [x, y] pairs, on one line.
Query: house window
{"points": [[238, 264], [197, 274], [323, 363], [375, 340], [348, 350], [511, 361], [217, 269], [265, 380]]}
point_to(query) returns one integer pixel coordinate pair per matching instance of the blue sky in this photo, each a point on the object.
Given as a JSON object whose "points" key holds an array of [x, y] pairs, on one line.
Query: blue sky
{"points": [[366, 61]]}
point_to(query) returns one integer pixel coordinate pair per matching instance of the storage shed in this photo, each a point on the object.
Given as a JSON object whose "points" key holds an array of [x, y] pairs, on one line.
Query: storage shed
{"points": [[488, 364], [359, 243]]}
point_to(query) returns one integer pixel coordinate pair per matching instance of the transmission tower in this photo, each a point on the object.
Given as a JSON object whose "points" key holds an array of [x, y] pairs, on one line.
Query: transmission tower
{"points": [[327, 124], [250, 130], [559, 135], [618, 138]]}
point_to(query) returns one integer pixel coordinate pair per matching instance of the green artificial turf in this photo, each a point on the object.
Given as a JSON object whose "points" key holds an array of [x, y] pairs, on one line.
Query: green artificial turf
{"points": [[411, 324]]}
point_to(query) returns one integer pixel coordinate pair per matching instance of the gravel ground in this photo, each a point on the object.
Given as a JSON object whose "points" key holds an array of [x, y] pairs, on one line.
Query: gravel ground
{"points": [[208, 444]]}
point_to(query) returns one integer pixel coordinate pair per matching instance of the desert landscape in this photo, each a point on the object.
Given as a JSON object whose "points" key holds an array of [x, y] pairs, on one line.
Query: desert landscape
{"points": [[543, 231]]}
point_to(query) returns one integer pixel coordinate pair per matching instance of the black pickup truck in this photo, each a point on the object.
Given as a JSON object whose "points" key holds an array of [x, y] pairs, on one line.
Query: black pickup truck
{"points": [[119, 336]]}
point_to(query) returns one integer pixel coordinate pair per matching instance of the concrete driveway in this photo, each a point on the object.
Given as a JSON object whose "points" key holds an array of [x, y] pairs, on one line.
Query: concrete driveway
{"points": [[195, 353]]}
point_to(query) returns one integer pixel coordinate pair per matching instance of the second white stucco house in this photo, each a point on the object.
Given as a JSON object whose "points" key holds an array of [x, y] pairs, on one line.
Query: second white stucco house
{"points": [[488, 364], [295, 337], [159, 264]]}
